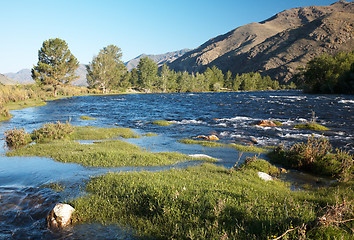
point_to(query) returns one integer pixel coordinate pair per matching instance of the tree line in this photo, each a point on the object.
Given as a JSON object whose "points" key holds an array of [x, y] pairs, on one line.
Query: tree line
{"points": [[56, 66], [328, 74]]}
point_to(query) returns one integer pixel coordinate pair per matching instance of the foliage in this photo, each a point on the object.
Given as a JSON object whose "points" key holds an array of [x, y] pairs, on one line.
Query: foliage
{"points": [[317, 156], [311, 126], [52, 131], [207, 202], [15, 138], [328, 74], [107, 69], [238, 147], [56, 64], [162, 123], [147, 73]]}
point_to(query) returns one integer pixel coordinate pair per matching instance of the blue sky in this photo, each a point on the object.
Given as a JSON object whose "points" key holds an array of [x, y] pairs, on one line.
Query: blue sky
{"points": [[138, 26]]}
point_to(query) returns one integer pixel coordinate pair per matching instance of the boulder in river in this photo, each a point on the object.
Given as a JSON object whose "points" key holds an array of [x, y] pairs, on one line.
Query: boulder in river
{"points": [[209, 137], [60, 216], [265, 123]]}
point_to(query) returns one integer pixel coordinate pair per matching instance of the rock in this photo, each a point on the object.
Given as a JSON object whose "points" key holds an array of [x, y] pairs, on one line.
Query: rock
{"points": [[282, 170], [199, 156], [265, 123], [264, 176], [60, 216], [210, 137]]}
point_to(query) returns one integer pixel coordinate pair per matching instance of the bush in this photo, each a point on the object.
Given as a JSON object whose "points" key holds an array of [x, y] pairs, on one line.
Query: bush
{"points": [[52, 131], [15, 138], [317, 156]]}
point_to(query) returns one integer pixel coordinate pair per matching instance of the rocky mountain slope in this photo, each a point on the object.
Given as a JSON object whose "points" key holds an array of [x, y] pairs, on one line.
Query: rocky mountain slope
{"points": [[160, 59], [278, 45], [22, 77], [6, 80]]}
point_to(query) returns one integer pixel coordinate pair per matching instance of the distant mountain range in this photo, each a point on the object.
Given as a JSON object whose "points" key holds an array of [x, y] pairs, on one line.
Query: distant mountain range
{"points": [[160, 59], [278, 45], [6, 80], [274, 47], [24, 76]]}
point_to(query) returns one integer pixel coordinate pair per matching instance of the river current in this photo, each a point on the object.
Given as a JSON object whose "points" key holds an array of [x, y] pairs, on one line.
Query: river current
{"points": [[25, 201]]}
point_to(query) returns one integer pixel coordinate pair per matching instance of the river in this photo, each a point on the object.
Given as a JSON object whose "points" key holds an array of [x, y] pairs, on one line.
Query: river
{"points": [[24, 202]]}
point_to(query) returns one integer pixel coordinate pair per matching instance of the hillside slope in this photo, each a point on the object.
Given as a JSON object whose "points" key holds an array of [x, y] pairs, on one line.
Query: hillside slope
{"points": [[6, 80], [160, 59], [278, 45]]}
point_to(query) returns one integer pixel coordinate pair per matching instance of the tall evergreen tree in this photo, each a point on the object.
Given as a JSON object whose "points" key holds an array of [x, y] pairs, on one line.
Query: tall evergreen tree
{"points": [[56, 64], [107, 69]]}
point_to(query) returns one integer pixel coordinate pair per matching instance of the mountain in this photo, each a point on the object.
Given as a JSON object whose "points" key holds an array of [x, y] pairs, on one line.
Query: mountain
{"points": [[22, 77], [6, 80], [278, 45], [160, 59]]}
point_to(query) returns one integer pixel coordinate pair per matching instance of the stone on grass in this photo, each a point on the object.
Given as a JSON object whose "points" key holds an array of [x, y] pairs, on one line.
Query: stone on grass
{"points": [[266, 177], [199, 156], [60, 216]]}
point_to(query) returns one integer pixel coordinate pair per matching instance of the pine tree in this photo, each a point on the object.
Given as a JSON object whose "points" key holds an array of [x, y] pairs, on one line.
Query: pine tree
{"points": [[56, 64]]}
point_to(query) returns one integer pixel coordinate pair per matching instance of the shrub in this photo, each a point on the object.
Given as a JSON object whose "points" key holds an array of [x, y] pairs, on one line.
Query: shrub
{"points": [[52, 131], [317, 156], [15, 138]]}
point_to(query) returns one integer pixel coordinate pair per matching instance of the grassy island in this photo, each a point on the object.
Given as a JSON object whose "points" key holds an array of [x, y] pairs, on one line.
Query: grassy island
{"points": [[57, 141], [312, 126]]}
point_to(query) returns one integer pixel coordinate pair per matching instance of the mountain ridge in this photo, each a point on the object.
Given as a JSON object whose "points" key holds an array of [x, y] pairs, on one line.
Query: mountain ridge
{"points": [[231, 50]]}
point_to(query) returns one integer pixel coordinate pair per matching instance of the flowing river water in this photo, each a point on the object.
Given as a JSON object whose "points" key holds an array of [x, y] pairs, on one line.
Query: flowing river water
{"points": [[25, 201]]}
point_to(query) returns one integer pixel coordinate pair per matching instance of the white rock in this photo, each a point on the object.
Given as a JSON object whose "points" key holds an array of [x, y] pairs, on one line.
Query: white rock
{"points": [[199, 156], [60, 216], [264, 176]]}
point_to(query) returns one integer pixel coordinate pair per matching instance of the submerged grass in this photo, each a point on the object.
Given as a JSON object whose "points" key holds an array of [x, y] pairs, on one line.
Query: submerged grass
{"points": [[162, 123], [238, 147], [87, 118], [209, 202]]}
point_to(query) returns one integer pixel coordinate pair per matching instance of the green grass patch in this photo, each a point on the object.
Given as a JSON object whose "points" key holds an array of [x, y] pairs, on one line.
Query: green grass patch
{"points": [[150, 134], [162, 123], [311, 126], [114, 153], [96, 133], [238, 147], [209, 202], [54, 186], [87, 118]]}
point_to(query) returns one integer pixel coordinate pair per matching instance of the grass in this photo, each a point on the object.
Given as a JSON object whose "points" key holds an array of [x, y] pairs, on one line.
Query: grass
{"points": [[238, 147], [311, 126], [96, 133], [162, 123], [210, 202], [114, 153], [87, 118]]}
